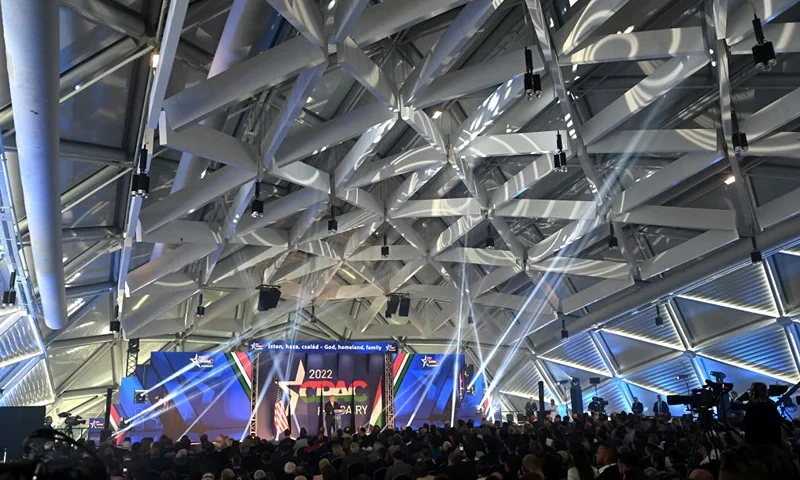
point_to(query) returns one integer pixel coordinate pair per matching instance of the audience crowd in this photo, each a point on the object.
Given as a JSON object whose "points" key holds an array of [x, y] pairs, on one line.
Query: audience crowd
{"points": [[622, 446]]}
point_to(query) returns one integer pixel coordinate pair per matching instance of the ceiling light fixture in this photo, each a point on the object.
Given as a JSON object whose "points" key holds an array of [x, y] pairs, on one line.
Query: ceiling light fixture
{"points": [[385, 247], [612, 238], [140, 182], [489, 238], [738, 139], [564, 332], [560, 157], [763, 51], [201, 310], [313, 313], [10, 295], [257, 206], [755, 255], [470, 320], [659, 318], [628, 30], [730, 180], [333, 225], [437, 114], [154, 60], [532, 81]]}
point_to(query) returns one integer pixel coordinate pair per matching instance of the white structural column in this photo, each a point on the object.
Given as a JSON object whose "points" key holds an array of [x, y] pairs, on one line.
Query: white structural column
{"points": [[169, 46]]}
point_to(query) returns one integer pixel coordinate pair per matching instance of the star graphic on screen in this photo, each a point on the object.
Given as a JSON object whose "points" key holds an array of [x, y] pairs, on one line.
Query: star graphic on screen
{"points": [[286, 385]]}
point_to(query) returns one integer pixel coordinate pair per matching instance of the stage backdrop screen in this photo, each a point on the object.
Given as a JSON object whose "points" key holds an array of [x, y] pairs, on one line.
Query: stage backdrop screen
{"points": [[436, 389], [188, 394], [296, 378]]}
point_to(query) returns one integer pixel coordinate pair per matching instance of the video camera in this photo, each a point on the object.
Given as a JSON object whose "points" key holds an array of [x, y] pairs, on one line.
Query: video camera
{"points": [[704, 398], [72, 420], [598, 404]]}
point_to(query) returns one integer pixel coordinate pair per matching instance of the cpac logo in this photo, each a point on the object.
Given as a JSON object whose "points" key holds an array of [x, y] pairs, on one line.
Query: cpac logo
{"points": [[97, 423], [256, 346], [429, 362], [202, 361]]}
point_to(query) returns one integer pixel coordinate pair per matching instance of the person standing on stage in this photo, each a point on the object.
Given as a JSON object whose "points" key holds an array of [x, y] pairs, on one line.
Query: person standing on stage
{"points": [[330, 415], [637, 406], [660, 408]]}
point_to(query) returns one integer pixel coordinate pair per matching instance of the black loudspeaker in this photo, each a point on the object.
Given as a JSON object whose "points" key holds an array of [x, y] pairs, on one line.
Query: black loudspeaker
{"points": [[18, 423], [394, 302], [405, 306], [268, 298], [509, 418], [594, 380], [520, 418], [576, 394]]}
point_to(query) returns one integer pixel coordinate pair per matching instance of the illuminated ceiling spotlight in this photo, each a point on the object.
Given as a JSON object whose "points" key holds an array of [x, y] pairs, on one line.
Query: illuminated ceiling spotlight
{"points": [[533, 82], [385, 247], [612, 239], [140, 183], [436, 115], [140, 397], [10, 295], [257, 206], [268, 297], [763, 51], [730, 180], [201, 309], [489, 238], [333, 225]]}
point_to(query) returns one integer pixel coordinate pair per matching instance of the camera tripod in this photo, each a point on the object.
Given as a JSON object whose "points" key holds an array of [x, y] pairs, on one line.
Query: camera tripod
{"points": [[705, 418]]}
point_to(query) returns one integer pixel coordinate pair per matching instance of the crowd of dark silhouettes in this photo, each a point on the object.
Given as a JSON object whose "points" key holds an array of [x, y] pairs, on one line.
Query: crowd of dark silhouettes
{"points": [[622, 446]]}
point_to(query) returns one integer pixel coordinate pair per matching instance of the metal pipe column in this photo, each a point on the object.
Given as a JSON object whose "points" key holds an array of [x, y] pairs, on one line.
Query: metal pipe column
{"points": [[31, 32]]}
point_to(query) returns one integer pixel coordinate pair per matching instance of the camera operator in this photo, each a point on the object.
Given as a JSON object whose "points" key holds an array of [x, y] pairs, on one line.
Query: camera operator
{"points": [[762, 422], [597, 405]]}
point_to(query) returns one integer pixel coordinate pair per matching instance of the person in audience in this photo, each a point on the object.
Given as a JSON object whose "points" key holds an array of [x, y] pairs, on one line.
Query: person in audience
{"points": [[606, 460], [581, 468], [399, 466]]}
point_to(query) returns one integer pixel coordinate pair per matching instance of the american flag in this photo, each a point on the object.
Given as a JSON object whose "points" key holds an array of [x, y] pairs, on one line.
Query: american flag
{"points": [[281, 423]]}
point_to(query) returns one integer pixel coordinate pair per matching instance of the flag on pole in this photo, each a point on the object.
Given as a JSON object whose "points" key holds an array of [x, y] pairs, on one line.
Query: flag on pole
{"points": [[279, 417]]}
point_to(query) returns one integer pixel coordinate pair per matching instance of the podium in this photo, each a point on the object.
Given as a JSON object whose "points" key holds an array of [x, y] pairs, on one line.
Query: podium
{"points": [[337, 415]]}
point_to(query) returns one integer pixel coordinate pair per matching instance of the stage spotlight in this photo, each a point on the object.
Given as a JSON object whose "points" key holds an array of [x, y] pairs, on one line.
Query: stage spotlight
{"points": [[257, 206], [659, 318], [333, 225], [564, 332], [755, 255], [140, 397], [385, 247], [10, 295], [612, 239], [394, 303], [489, 238], [133, 345], [739, 141], [268, 297], [763, 51], [470, 320], [201, 310], [404, 306], [313, 314], [114, 326], [683, 376], [532, 81], [140, 184]]}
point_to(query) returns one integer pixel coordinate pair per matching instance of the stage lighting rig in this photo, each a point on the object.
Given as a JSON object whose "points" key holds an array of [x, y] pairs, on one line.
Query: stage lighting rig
{"points": [[385, 247], [560, 157], [10, 295], [489, 238], [268, 297], [140, 183], [532, 81], [763, 51], [201, 310], [257, 206]]}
